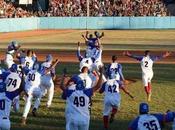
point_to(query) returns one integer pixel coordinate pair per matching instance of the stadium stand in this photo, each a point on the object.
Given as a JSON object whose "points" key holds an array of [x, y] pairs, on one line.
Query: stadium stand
{"points": [[97, 8]]}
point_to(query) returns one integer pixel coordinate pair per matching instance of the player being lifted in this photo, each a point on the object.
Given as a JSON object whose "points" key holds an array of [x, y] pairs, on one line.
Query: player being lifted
{"points": [[112, 97], [146, 62]]}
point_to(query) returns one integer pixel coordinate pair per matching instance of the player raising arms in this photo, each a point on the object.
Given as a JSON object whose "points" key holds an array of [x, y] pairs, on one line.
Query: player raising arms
{"points": [[146, 62], [77, 103], [112, 97], [47, 84], [146, 121], [9, 58]]}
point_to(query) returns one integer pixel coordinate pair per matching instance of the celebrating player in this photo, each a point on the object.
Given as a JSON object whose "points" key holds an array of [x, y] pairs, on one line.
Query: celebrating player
{"points": [[115, 69], [78, 104], [13, 81], [30, 59], [112, 98], [33, 90], [8, 91], [146, 62], [12, 48], [47, 84], [146, 121]]}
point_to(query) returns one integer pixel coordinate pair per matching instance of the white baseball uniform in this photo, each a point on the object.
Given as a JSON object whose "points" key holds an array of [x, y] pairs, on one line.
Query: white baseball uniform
{"points": [[32, 88], [13, 82], [9, 60], [147, 69], [77, 105], [147, 121], [29, 62], [47, 83], [112, 95]]}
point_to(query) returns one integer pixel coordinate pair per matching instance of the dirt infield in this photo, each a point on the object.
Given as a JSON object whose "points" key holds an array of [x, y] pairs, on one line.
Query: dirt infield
{"points": [[70, 56]]}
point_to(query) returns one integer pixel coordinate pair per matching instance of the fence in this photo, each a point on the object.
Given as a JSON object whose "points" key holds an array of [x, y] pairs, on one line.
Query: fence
{"points": [[21, 24]]}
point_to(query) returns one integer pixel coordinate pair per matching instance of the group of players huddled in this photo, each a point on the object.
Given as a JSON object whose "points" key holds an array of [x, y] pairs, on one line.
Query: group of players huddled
{"points": [[35, 79]]}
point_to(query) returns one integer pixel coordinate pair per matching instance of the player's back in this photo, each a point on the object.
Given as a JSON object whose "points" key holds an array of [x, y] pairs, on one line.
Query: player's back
{"points": [[112, 91], [33, 78], [147, 64], [29, 62], [13, 81], [86, 79], [5, 106], [148, 122], [78, 104], [113, 68]]}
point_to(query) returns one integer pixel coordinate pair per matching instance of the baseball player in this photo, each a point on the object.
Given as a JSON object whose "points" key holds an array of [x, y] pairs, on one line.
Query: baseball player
{"points": [[30, 59], [115, 69], [77, 104], [33, 90], [9, 89], [6, 99], [112, 98], [9, 58], [13, 81], [47, 83], [146, 62], [146, 121], [92, 63]]}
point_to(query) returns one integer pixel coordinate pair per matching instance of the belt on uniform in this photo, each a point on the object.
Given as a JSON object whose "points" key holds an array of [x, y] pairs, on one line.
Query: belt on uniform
{"points": [[4, 118]]}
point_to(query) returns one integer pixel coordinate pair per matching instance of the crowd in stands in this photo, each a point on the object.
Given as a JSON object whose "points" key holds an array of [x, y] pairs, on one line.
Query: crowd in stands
{"points": [[97, 8]]}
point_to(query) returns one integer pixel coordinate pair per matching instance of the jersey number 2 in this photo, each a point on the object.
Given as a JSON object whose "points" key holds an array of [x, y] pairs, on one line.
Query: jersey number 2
{"points": [[146, 63], [2, 104]]}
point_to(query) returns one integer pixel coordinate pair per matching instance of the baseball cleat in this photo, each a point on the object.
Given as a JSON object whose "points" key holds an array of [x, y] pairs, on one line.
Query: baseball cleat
{"points": [[34, 112]]}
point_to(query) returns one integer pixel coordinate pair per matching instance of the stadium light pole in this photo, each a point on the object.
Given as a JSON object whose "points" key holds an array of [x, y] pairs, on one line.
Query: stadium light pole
{"points": [[87, 8]]}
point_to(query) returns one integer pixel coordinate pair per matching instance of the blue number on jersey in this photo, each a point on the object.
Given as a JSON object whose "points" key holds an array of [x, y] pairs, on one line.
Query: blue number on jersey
{"points": [[112, 89], [2, 104]]}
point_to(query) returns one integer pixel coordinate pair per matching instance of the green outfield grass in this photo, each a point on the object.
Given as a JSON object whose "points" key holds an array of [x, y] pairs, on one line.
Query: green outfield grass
{"points": [[113, 40], [163, 99]]}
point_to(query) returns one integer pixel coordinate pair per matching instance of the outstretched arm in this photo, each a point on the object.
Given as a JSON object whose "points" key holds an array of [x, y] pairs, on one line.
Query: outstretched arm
{"points": [[127, 53], [98, 85], [126, 91], [52, 66], [80, 57], [156, 58]]}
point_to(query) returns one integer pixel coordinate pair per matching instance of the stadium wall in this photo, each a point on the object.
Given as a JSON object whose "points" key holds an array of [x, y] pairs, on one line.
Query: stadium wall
{"points": [[21, 24]]}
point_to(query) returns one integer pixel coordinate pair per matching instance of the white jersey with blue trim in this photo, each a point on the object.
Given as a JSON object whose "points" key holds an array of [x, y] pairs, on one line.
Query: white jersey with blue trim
{"points": [[45, 66], [78, 104], [12, 81], [29, 62], [111, 89], [148, 122], [88, 82], [33, 79], [147, 65], [5, 105], [114, 68], [9, 60]]}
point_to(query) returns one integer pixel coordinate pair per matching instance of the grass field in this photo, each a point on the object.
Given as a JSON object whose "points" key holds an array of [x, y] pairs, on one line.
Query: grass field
{"points": [[163, 93], [113, 40], [163, 81]]}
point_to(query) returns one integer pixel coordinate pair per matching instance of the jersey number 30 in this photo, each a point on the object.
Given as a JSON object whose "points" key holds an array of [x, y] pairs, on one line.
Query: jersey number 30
{"points": [[2, 104], [151, 125], [79, 101]]}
